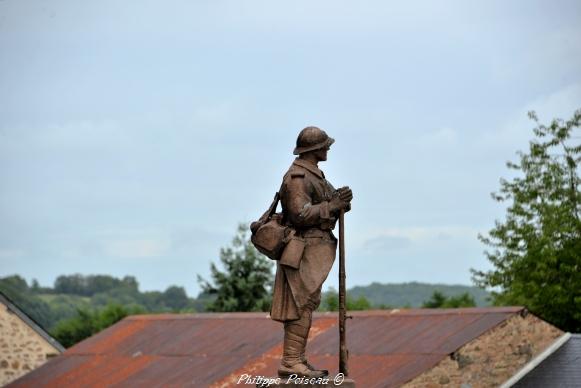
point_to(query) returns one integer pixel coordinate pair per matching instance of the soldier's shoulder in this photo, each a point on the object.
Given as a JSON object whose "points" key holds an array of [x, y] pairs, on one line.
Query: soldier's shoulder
{"points": [[296, 172]]}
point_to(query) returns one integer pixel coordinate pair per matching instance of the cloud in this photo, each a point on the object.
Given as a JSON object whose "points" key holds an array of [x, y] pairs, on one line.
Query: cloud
{"points": [[130, 243], [392, 238], [559, 104], [186, 128], [517, 129], [11, 253], [136, 248], [441, 138], [386, 243]]}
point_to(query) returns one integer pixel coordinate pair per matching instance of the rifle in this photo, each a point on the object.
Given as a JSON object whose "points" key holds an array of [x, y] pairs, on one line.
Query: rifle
{"points": [[343, 352]]}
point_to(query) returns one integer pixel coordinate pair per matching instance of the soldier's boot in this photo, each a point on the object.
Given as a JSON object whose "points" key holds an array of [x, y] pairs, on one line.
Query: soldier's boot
{"points": [[303, 353], [324, 372], [295, 340]]}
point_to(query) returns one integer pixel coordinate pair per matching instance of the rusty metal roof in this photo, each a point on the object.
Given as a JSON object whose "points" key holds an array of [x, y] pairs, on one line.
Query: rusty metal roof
{"points": [[386, 348]]}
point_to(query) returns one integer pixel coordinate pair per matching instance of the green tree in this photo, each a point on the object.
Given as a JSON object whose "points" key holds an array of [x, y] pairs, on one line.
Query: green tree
{"points": [[176, 298], [35, 287], [69, 332], [77, 292], [536, 250], [88, 322], [246, 282], [463, 300], [71, 284], [330, 302], [90, 285], [16, 289], [439, 300], [357, 304]]}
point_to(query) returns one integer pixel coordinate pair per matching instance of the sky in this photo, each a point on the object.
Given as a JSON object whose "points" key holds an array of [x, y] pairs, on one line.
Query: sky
{"points": [[135, 136]]}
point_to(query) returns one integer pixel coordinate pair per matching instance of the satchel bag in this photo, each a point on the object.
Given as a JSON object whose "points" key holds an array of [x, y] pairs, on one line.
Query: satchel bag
{"points": [[269, 236]]}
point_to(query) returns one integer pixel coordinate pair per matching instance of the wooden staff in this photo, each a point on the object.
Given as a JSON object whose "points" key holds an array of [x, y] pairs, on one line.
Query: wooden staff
{"points": [[343, 352]]}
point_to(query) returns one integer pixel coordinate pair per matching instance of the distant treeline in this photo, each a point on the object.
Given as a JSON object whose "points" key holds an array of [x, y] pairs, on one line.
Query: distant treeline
{"points": [[415, 294], [73, 293], [78, 306]]}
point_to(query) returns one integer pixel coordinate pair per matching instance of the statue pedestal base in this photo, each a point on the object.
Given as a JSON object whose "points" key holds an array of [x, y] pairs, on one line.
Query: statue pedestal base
{"points": [[287, 382]]}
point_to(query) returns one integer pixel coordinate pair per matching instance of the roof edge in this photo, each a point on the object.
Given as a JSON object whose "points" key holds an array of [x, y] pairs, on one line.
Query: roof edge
{"points": [[13, 307], [333, 314], [525, 370], [439, 311]]}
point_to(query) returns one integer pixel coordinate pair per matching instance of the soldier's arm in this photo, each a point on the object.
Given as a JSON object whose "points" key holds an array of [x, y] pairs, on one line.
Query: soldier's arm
{"points": [[301, 211]]}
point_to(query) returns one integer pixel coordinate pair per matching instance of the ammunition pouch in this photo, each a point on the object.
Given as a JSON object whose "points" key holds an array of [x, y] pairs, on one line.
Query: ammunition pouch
{"points": [[293, 251]]}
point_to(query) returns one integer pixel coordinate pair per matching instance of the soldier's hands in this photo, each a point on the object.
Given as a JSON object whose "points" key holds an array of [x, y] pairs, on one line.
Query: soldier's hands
{"points": [[336, 204], [345, 193], [341, 200]]}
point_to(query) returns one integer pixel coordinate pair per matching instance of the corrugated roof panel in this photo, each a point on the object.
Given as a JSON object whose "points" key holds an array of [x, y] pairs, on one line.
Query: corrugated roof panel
{"points": [[435, 330], [380, 370], [400, 334], [195, 371], [109, 340], [181, 337], [474, 330], [387, 348], [51, 371], [103, 370]]}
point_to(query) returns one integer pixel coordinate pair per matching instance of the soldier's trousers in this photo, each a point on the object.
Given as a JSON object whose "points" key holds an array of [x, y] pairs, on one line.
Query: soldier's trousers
{"points": [[296, 333]]}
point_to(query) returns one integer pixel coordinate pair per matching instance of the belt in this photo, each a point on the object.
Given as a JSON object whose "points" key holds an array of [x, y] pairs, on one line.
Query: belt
{"points": [[314, 232]]}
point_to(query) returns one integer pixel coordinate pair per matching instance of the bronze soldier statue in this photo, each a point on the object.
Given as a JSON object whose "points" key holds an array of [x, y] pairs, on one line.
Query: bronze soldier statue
{"points": [[310, 207]]}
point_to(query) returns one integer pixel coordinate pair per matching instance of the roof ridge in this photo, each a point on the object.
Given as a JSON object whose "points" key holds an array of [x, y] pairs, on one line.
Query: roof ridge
{"points": [[412, 312]]}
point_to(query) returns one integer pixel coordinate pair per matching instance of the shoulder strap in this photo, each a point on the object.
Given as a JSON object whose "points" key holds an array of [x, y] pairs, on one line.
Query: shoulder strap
{"points": [[272, 208]]}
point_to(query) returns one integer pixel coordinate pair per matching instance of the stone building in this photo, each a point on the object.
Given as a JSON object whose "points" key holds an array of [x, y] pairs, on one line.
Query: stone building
{"points": [[24, 345], [558, 366]]}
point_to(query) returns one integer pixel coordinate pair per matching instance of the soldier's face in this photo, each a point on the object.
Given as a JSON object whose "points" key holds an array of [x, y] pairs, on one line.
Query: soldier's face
{"points": [[322, 154]]}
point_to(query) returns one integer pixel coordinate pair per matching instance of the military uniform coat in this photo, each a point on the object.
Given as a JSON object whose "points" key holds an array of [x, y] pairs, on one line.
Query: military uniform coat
{"points": [[305, 196]]}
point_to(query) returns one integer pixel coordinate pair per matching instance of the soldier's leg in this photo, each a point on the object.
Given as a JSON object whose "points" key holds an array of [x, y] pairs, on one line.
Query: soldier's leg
{"points": [[312, 305], [309, 320], [295, 338]]}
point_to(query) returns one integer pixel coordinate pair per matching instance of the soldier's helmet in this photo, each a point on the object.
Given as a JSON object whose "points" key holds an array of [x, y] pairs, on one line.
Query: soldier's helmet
{"points": [[312, 138]]}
